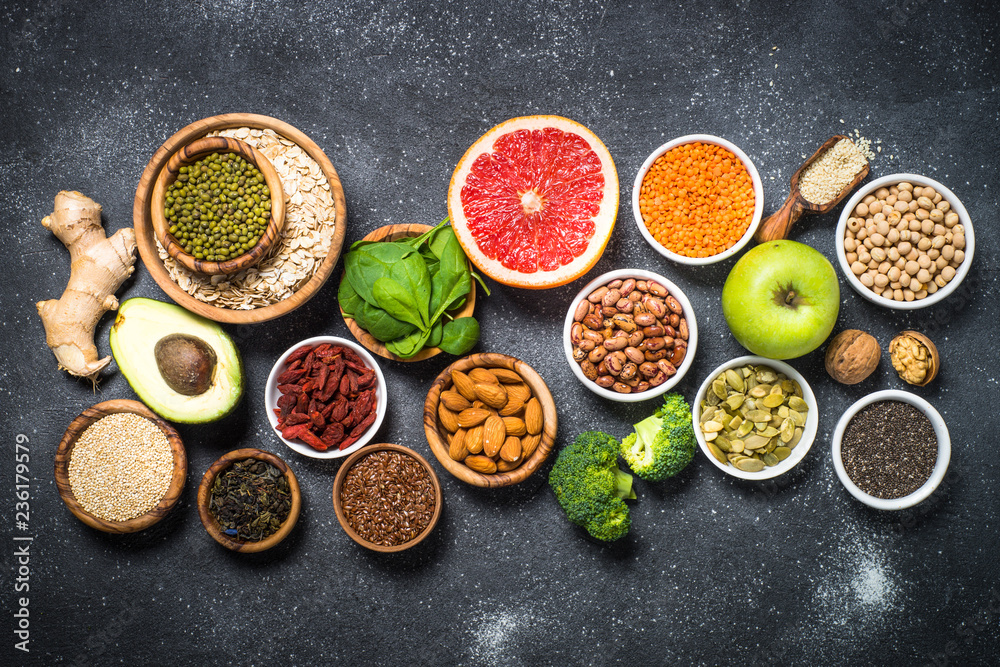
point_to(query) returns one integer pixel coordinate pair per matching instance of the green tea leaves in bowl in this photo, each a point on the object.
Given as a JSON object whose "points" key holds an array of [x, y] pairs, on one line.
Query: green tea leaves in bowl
{"points": [[403, 292]]}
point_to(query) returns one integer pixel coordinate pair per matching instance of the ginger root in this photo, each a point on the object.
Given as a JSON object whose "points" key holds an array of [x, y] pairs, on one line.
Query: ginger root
{"points": [[98, 266]]}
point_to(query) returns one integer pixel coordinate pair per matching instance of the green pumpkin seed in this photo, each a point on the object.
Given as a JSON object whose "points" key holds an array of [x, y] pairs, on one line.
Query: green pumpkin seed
{"points": [[760, 391], [797, 404], [711, 426], [735, 401], [755, 442], [782, 453], [773, 400], [719, 389], [797, 417], [735, 422], [769, 432], [787, 430], [750, 465], [744, 428], [759, 416], [736, 446], [722, 442], [717, 453], [795, 438], [735, 380], [770, 459]]}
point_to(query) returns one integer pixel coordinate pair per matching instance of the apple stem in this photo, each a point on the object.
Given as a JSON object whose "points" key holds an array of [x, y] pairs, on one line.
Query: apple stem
{"points": [[790, 297]]}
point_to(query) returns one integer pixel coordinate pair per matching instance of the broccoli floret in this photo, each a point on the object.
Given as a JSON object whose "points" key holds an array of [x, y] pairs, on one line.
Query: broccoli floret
{"points": [[663, 443], [590, 487]]}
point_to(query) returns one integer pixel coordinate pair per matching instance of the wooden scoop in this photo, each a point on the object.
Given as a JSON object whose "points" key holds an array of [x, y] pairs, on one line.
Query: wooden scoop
{"points": [[779, 224]]}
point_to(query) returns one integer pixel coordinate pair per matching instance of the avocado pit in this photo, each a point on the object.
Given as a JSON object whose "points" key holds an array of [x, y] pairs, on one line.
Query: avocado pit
{"points": [[186, 363]]}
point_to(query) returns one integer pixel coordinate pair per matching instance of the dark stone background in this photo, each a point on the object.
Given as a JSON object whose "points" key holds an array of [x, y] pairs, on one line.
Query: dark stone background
{"points": [[715, 571]]}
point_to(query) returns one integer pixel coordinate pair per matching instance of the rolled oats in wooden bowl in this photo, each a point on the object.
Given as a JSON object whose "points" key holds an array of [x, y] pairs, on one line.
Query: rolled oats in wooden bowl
{"points": [[298, 263]]}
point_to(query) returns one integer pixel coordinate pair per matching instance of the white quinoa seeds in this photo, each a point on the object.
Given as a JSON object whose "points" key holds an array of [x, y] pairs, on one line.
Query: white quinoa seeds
{"points": [[120, 467]]}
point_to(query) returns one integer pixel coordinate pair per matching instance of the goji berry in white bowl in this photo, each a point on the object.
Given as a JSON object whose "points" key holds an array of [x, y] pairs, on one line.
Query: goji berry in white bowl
{"points": [[357, 402]]}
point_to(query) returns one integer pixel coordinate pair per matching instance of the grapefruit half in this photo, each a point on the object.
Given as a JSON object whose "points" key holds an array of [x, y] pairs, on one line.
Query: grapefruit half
{"points": [[534, 200]]}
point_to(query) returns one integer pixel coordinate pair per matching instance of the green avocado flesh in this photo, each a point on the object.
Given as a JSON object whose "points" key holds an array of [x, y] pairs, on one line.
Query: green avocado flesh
{"points": [[183, 366]]}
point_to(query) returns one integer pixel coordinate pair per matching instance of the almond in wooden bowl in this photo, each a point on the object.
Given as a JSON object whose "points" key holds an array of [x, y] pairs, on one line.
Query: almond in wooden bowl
{"points": [[387, 497], [490, 420], [120, 468], [395, 233], [210, 508], [184, 159]]}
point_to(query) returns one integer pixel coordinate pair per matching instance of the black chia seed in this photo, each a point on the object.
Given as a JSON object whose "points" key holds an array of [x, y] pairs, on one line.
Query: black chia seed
{"points": [[889, 449]]}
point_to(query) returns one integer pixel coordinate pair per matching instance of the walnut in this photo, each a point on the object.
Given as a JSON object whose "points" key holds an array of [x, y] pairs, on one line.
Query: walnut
{"points": [[914, 357], [852, 356]]}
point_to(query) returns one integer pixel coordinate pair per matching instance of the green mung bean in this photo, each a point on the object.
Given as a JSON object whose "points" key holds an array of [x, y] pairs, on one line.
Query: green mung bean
{"points": [[218, 208]]}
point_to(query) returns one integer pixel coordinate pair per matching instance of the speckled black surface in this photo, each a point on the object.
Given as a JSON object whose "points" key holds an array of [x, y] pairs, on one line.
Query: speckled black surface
{"points": [[715, 571]]}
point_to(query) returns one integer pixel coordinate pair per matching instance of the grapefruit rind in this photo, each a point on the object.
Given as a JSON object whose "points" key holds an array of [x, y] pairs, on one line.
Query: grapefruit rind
{"points": [[603, 220]]}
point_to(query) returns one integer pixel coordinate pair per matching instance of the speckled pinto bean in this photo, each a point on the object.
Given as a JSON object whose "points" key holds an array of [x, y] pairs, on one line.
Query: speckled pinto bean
{"points": [[629, 335]]}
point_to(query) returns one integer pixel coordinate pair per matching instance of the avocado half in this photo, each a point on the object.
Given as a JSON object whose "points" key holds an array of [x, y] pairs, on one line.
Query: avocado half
{"points": [[153, 370]]}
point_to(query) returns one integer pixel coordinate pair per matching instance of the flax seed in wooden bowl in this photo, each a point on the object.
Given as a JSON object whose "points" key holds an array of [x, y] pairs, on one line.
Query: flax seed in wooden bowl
{"points": [[387, 497], [120, 477], [533, 427]]}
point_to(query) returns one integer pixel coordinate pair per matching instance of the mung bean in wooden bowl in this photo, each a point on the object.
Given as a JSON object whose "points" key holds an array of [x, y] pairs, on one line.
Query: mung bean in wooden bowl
{"points": [[490, 420], [234, 520], [387, 497], [243, 234], [119, 467]]}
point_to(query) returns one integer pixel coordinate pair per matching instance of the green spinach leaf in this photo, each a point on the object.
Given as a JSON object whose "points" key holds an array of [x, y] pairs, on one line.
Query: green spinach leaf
{"points": [[409, 345], [381, 324], [398, 302], [348, 298], [372, 261], [460, 335]]}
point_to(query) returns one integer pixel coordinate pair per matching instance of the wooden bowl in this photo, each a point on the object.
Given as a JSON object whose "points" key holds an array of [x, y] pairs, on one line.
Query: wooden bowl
{"points": [[394, 233], [65, 451], [437, 435], [205, 496], [338, 505], [779, 224], [187, 156], [146, 237]]}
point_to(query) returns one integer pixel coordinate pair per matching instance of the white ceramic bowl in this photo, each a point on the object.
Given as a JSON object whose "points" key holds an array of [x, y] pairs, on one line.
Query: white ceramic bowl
{"points": [[963, 218], [271, 395], [758, 192], [940, 467], [808, 433], [688, 315]]}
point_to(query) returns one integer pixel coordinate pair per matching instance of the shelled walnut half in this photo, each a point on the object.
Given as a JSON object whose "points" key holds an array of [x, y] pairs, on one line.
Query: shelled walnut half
{"points": [[914, 357]]}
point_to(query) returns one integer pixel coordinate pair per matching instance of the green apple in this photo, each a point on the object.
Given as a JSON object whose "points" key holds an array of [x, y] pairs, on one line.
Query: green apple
{"points": [[781, 299]]}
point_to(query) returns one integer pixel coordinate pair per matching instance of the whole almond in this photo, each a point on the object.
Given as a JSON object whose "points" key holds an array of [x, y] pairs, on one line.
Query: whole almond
{"points": [[449, 419], [481, 464], [518, 392], [507, 466], [529, 444], [514, 426], [454, 401], [483, 375], [506, 376], [492, 395], [512, 408], [474, 440], [471, 417], [494, 433], [463, 384], [511, 450], [457, 449], [533, 417]]}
